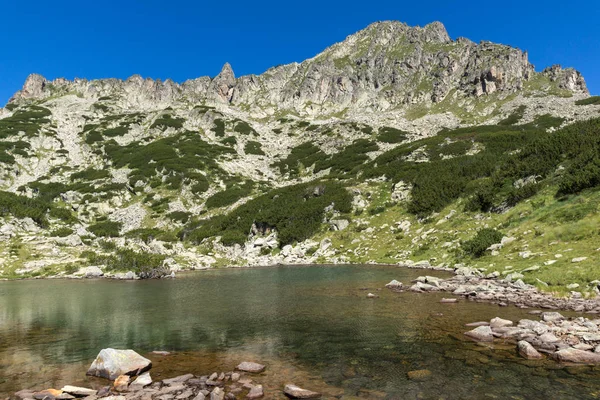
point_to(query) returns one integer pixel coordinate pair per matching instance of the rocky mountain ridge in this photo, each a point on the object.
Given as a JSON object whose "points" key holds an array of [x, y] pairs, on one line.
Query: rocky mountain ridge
{"points": [[374, 134], [387, 66]]}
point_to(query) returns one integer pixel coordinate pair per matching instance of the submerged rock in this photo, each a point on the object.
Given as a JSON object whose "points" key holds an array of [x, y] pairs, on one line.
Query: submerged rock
{"points": [[248, 366], [577, 356], [111, 363], [295, 392], [481, 333], [527, 351], [419, 375]]}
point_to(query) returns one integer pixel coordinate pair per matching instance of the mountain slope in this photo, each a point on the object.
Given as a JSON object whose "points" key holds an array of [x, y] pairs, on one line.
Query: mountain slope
{"points": [[387, 128]]}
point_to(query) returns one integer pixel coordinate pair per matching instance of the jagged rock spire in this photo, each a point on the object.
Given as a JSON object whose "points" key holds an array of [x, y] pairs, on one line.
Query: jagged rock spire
{"points": [[223, 84], [33, 87]]}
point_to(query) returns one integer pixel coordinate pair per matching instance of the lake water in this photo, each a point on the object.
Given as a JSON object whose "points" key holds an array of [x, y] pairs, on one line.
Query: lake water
{"points": [[313, 326]]}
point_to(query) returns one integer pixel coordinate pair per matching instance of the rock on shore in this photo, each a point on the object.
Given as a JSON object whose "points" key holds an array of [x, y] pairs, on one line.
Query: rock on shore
{"points": [[112, 363], [575, 340]]}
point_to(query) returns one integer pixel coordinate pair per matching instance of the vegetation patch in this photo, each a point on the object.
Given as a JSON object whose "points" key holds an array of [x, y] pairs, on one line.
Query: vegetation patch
{"points": [[253, 147], [477, 246], [589, 101], [296, 212], [106, 229], [391, 135]]}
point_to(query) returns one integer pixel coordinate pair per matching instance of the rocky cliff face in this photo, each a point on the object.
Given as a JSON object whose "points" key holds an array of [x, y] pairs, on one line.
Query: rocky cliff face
{"points": [[387, 66]]}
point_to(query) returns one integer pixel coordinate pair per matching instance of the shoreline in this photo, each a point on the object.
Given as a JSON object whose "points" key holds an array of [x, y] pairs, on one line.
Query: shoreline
{"points": [[467, 283]]}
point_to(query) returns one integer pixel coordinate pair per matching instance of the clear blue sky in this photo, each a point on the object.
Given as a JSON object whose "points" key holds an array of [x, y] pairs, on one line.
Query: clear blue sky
{"points": [[180, 39]]}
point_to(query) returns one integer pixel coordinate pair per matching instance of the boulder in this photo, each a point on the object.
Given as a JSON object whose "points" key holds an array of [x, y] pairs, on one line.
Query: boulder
{"points": [[248, 366], [500, 323], [394, 284], [339, 224], [111, 363], [481, 334], [577, 356], [527, 351], [295, 392], [552, 316], [79, 391]]}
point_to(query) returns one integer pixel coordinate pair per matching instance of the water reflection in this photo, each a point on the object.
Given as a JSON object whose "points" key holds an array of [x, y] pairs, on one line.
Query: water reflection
{"points": [[309, 324]]}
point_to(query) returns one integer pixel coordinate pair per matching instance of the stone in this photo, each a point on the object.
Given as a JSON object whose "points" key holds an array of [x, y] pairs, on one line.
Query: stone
{"points": [[178, 379], [552, 316], [235, 377], [481, 334], [141, 381], [47, 394], [24, 394], [217, 394], [448, 301], [578, 259], [248, 366], [419, 375], [476, 324], [200, 396], [339, 224], [121, 384], [295, 392], [372, 296], [499, 323], [527, 351], [65, 396], [577, 356], [256, 392], [394, 284], [111, 363], [79, 391]]}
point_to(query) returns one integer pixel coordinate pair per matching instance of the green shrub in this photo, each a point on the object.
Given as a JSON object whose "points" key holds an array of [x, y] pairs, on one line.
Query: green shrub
{"points": [[24, 207], [296, 212], [229, 195], [477, 246], [588, 101], [126, 260], [229, 141], [244, 128], [167, 121], [302, 156], [90, 174], [253, 147], [515, 117], [349, 159], [179, 216], [219, 128], [61, 232], [106, 229], [391, 135], [149, 234]]}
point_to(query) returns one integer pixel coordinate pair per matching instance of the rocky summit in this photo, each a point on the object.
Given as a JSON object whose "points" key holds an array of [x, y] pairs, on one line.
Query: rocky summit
{"points": [[397, 145]]}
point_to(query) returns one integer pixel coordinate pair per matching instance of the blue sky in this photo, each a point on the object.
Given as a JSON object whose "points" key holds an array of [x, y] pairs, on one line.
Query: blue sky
{"points": [[186, 39]]}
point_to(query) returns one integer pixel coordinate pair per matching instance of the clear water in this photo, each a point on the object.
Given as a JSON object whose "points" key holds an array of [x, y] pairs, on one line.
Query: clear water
{"points": [[313, 326]]}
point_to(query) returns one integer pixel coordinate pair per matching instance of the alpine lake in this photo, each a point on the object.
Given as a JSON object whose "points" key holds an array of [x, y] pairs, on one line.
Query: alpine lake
{"points": [[310, 325]]}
